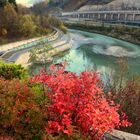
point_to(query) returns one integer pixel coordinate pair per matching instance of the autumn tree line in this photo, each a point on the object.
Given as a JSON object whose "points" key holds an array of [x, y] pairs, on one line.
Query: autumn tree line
{"points": [[18, 21]]}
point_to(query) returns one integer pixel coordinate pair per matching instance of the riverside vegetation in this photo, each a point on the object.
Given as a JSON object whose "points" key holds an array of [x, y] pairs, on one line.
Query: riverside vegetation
{"points": [[130, 34], [15, 24], [56, 104]]}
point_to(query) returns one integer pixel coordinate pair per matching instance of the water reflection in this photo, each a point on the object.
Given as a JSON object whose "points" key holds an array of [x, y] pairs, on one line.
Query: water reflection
{"points": [[100, 52]]}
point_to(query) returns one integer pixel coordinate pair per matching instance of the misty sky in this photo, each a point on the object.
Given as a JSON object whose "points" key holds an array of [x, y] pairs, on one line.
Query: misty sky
{"points": [[27, 2]]}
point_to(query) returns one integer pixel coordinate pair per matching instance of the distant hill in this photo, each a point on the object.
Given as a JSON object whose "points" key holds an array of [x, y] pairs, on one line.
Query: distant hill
{"points": [[114, 5], [76, 4], [65, 5], [82, 5]]}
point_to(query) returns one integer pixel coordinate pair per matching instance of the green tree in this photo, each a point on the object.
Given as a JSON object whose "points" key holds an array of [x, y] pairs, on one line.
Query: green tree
{"points": [[26, 25], [56, 22], [42, 24], [9, 18]]}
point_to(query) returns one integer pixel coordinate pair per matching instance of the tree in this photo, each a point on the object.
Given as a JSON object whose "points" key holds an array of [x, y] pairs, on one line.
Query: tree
{"points": [[125, 91], [56, 22], [26, 25], [42, 54], [23, 10], [9, 18], [13, 2], [42, 23], [40, 8], [4, 2]]}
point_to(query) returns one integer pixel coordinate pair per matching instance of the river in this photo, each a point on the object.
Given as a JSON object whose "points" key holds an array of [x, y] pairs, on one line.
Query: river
{"points": [[91, 50]]}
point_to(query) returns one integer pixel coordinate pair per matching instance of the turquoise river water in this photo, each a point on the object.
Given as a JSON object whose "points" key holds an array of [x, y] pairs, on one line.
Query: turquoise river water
{"points": [[91, 50]]}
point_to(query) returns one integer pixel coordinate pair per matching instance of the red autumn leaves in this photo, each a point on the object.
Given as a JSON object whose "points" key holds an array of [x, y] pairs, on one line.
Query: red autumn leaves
{"points": [[77, 103]]}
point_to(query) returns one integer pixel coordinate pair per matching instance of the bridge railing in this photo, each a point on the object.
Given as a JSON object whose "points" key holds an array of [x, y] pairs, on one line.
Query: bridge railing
{"points": [[104, 16], [80, 12]]}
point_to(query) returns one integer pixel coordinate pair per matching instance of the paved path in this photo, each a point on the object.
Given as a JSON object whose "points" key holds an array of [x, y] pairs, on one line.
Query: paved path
{"points": [[19, 53], [17, 44], [17, 48], [61, 44]]}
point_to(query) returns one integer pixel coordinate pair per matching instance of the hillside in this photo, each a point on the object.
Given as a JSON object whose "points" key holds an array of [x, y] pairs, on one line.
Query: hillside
{"points": [[73, 5], [114, 5], [65, 5], [83, 5]]}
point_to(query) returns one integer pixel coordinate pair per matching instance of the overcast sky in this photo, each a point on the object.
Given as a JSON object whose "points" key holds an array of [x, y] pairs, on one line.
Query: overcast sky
{"points": [[27, 2]]}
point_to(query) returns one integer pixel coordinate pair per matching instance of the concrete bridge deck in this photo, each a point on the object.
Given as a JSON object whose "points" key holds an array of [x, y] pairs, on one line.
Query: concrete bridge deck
{"points": [[126, 17]]}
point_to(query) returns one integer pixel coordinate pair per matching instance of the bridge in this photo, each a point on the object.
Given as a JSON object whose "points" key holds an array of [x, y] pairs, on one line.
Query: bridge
{"points": [[126, 17]]}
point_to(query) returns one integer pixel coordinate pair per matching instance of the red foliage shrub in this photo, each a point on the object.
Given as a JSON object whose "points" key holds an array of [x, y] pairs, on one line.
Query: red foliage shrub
{"points": [[78, 103], [21, 116], [128, 97]]}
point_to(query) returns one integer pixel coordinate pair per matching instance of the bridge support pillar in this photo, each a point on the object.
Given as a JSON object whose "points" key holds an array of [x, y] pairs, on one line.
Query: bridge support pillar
{"points": [[111, 17], [125, 18], [88, 16], [133, 17], [84, 16], [93, 16], [104, 16], [99, 16], [118, 17]]}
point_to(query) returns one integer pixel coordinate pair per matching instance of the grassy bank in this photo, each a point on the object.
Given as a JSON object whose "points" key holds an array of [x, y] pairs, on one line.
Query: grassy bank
{"points": [[126, 33]]}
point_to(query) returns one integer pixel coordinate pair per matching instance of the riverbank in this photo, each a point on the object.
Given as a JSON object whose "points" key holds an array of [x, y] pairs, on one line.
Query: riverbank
{"points": [[129, 34], [59, 45], [52, 36]]}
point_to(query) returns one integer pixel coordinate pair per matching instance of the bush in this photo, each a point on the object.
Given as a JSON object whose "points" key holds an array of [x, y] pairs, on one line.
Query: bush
{"points": [[23, 113], [128, 97], [77, 105], [125, 91], [57, 105], [10, 71]]}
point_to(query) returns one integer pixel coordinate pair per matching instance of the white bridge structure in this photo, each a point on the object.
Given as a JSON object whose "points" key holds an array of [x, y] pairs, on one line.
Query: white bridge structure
{"points": [[126, 17]]}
